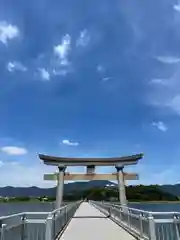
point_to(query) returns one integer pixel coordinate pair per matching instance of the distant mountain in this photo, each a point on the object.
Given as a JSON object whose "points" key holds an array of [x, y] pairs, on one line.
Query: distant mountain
{"points": [[39, 192], [173, 189], [71, 188], [26, 191], [79, 186]]}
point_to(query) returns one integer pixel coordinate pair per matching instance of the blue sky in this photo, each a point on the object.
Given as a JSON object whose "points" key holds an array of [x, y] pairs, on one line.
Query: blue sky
{"points": [[86, 78]]}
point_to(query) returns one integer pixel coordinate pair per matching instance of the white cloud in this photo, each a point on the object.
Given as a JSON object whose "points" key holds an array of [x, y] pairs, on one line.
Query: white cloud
{"points": [[44, 74], [20, 175], [168, 59], [17, 174], [177, 7], [69, 143], [13, 150], [160, 125], [62, 50], [8, 32], [16, 66], [83, 39]]}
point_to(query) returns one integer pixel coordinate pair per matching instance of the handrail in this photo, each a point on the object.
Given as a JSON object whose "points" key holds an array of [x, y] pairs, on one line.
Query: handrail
{"points": [[140, 210], [21, 214], [48, 225], [143, 224], [36, 225], [30, 213]]}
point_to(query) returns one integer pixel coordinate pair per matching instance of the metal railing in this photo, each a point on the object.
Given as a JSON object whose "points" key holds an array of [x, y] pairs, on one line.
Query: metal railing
{"points": [[143, 224], [36, 225]]}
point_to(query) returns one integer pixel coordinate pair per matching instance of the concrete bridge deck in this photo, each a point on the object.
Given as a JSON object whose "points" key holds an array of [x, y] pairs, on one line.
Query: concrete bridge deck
{"points": [[89, 223]]}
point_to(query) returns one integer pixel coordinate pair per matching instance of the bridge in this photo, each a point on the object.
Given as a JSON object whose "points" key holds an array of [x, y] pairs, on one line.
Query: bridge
{"points": [[91, 220], [89, 217]]}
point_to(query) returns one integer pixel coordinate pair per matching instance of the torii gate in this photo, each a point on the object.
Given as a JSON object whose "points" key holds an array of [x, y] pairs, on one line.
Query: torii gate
{"points": [[90, 163]]}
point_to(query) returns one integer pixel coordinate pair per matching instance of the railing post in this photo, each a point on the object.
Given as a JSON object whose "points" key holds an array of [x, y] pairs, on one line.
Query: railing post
{"points": [[120, 213], [152, 230], [2, 226], [60, 217], [49, 228], [68, 212], [141, 225], [110, 211], [176, 218], [54, 224], [129, 223], [64, 216], [23, 232]]}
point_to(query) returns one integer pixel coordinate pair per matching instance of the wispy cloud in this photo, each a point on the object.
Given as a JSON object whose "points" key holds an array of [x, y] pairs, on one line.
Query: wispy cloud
{"points": [[168, 175], [106, 79], [16, 66], [174, 103], [8, 32], [21, 174], [61, 72], [167, 102], [100, 68], [14, 150], [62, 50], [69, 143], [165, 93], [160, 173], [159, 81], [102, 72], [176, 7], [168, 59], [83, 39], [60, 63], [44, 74], [160, 125]]}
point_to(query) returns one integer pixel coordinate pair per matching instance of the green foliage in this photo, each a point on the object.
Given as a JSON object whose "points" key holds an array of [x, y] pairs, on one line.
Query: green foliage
{"points": [[51, 199], [134, 193], [148, 193], [21, 199]]}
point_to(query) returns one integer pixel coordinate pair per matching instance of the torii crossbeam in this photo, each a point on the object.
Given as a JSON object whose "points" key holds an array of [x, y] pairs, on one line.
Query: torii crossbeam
{"points": [[88, 177]]}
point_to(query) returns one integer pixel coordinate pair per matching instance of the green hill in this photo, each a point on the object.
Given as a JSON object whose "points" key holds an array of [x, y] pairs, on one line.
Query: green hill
{"points": [[134, 193], [96, 190]]}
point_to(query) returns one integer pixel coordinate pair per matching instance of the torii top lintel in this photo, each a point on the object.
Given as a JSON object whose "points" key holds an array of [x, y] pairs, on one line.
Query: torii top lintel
{"points": [[111, 161]]}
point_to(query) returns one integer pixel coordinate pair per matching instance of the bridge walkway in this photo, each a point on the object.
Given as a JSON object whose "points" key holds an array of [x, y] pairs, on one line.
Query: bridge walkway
{"points": [[89, 223]]}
